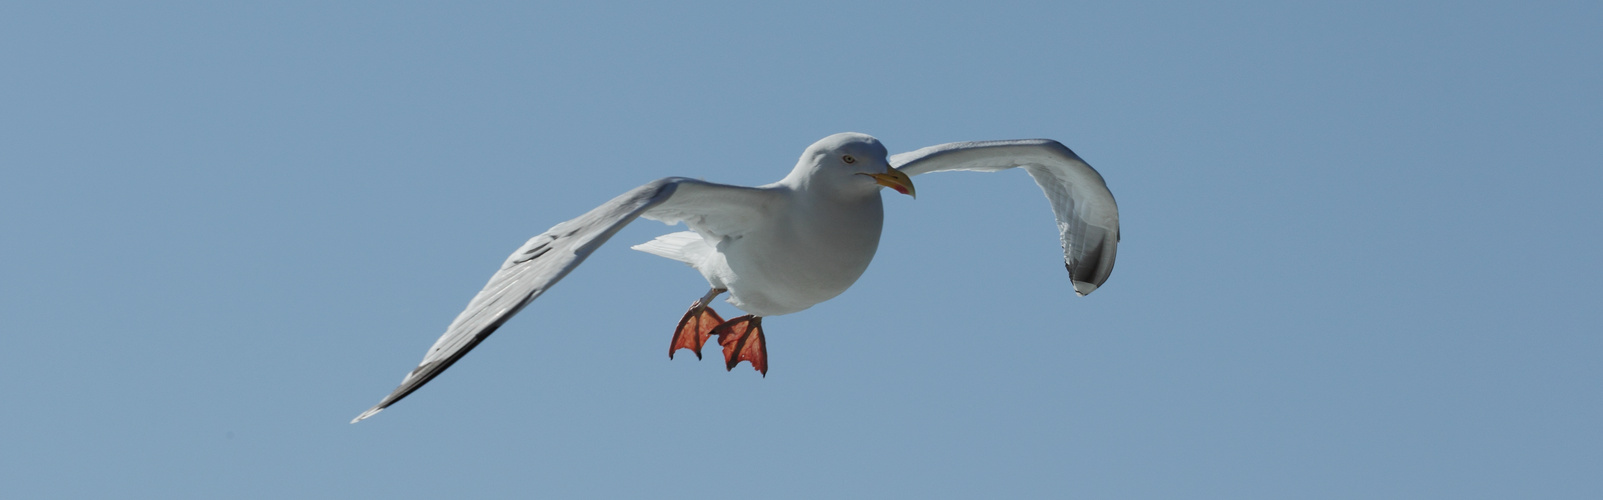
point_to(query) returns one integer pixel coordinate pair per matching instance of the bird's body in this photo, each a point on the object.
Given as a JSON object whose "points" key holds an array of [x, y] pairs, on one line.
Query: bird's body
{"points": [[762, 283], [816, 239], [783, 247]]}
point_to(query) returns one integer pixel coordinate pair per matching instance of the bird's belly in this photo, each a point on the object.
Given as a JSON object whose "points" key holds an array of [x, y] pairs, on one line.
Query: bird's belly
{"points": [[808, 267]]}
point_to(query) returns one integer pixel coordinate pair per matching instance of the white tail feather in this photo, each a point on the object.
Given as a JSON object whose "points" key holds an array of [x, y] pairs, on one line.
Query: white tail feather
{"points": [[684, 246]]}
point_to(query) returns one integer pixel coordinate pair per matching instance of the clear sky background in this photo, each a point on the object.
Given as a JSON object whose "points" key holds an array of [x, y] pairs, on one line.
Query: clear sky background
{"points": [[1360, 251]]}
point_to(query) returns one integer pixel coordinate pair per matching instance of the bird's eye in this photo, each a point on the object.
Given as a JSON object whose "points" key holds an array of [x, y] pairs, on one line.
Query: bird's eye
{"points": [[848, 159]]}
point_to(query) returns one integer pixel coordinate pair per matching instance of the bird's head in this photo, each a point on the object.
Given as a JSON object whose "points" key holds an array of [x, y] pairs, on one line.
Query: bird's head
{"points": [[850, 163]]}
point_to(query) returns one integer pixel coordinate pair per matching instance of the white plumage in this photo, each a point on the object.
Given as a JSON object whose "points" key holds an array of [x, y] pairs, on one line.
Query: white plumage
{"points": [[783, 247]]}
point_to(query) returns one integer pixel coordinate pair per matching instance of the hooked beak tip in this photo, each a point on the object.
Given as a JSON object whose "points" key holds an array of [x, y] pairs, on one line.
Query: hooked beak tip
{"points": [[896, 179]]}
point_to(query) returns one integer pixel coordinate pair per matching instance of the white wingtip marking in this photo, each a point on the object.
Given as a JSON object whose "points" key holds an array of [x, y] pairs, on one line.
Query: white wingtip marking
{"points": [[1082, 288], [370, 412]]}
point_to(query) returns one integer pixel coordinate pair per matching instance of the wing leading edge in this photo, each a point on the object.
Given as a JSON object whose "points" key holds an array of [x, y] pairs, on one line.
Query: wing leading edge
{"points": [[547, 258], [1087, 216]]}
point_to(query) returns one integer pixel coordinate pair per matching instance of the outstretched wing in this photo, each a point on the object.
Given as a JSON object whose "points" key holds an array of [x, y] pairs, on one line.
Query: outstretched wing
{"points": [[547, 258], [1088, 219]]}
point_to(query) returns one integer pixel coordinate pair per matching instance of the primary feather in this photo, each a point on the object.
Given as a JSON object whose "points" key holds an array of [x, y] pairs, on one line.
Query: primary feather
{"points": [[786, 246]]}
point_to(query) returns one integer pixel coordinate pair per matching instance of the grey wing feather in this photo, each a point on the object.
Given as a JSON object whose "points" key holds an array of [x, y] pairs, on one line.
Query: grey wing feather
{"points": [[1087, 216], [546, 259]]}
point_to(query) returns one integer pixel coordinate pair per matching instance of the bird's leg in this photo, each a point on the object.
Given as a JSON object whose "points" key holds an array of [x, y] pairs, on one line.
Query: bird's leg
{"points": [[743, 340], [697, 324]]}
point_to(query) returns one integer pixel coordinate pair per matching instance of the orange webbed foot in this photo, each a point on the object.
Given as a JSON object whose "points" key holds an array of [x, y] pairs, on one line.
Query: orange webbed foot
{"points": [[743, 340], [694, 328]]}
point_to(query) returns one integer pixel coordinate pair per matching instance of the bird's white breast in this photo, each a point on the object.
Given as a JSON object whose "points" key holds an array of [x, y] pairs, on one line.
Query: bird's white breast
{"points": [[810, 252]]}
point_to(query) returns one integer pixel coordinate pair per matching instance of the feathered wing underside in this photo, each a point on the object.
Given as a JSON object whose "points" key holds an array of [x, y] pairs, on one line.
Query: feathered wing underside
{"points": [[1088, 218], [716, 211], [709, 223], [546, 259]]}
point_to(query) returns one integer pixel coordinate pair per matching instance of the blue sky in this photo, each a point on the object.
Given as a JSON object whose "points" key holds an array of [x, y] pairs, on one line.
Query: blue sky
{"points": [[1359, 247]]}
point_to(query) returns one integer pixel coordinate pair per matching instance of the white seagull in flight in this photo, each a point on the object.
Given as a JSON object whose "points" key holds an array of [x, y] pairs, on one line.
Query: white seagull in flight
{"points": [[783, 247]]}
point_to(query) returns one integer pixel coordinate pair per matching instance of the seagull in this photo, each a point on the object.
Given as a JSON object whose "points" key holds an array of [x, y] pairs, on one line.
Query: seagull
{"points": [[779, 248]]}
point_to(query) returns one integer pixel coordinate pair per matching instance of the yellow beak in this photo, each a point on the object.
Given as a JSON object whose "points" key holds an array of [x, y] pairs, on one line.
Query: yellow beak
{"points": [[895, 179]]}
